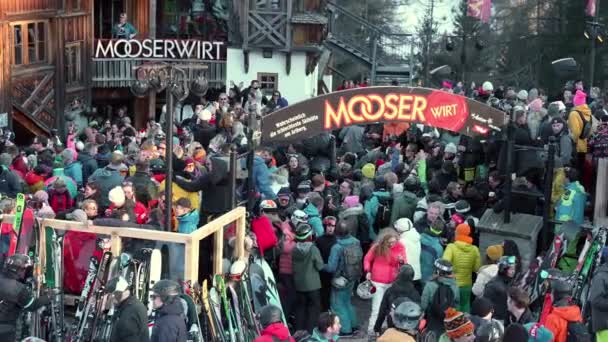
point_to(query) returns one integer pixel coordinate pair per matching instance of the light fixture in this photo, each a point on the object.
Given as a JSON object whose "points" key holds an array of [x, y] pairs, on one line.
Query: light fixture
{"points": [[199, 86]]}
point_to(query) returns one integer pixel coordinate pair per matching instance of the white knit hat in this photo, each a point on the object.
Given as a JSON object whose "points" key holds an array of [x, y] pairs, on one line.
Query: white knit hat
{"points": [[117, 196], [403, 225]]}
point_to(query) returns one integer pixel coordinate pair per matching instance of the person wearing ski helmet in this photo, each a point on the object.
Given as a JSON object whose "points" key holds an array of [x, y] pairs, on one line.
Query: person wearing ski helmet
{"points": [[262, 228], [273, 328], [496, 289], [563, 313], [130, 321], [406, 319], [306, 263], [169, 324], [443, 276], [15, 296], [298, 217]]}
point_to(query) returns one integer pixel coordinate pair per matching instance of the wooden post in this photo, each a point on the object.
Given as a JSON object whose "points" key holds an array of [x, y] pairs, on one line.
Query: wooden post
{"points": [[218, 251], [601, 200], [116, 244], [191, 256], [240, 237]]}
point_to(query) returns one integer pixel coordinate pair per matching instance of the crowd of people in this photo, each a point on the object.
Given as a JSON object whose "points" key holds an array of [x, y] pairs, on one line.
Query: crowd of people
{"points": [[390, 214]]}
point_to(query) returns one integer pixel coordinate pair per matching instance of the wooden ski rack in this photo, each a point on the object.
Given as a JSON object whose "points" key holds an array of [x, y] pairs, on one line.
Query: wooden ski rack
{"points": [[191, 241]]}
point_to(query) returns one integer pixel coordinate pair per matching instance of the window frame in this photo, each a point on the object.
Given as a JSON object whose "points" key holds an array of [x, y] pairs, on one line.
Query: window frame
{"points": [[76, 67], [265, 90], [25, 43]]}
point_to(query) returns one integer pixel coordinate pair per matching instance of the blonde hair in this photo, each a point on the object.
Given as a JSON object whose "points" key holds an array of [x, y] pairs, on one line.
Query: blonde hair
{"points": [[381, 245]]}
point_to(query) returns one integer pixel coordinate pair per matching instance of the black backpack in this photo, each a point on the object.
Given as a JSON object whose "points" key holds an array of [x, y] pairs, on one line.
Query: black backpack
{"points": [[587, 126], [352, 255], [442, 300], [383, 215], [577, 332]]}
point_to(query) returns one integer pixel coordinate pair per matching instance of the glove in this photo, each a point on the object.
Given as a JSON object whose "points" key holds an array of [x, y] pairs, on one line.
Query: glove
{"points": [[193, 334]]}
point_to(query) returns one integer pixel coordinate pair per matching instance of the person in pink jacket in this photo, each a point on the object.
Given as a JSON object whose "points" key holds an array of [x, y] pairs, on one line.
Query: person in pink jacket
{"points": [[381, 264]]}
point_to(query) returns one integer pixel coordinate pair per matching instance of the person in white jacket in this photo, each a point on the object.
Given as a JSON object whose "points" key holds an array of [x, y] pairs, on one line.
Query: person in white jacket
{"points": [[487, 271], [410, 238]]}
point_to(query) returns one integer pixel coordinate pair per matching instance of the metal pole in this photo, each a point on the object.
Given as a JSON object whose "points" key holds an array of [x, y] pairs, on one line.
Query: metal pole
{"points": [[544, 235], [374, 58], [593, 38], [429, 37], [233, 157], [250, 181], [411, 41], [169, 162], [463, 53], [510, 152]]}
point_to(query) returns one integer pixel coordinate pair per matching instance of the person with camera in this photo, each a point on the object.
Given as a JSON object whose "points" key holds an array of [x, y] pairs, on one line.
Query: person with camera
{"points": [[15, 296]]}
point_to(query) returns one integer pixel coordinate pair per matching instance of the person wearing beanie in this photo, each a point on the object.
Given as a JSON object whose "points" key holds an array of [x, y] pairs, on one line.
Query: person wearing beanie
{"points": [[71, 167], [306, 264], [458, 327], [59, 197], [579, 123], [496, 289], [302, 191], [465, 258], [482, 311], [538, 333], [86, 157], [272, 325], [488, 271], [369, 171], [344, 262], [402, 287], [522, 97], [564, 143], [518, 302], [108, 177], [431, 250], [599, 299], [515, 333], [410, 238]]}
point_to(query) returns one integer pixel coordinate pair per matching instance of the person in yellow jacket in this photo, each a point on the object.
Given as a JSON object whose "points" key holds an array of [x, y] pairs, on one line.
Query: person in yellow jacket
{"points": [[578, 117], [465, 260]]}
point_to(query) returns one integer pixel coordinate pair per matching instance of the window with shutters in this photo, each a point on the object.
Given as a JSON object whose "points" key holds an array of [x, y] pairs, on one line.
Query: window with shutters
{"points": [[73, 64], [30, 42], [268, 83]]}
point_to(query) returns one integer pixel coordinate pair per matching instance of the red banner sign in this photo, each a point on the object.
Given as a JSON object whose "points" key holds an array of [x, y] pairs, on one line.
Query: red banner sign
{"points": [[480, 9], [380, 104]]}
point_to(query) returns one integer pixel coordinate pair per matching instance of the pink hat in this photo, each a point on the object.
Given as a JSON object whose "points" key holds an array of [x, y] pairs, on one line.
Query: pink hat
{"points": [[351, 201], [536, 105], [580, 98]]}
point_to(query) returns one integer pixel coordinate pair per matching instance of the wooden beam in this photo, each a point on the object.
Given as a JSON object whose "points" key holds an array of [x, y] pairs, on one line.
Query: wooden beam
{"points": [[239, 246], [218, 252], [192, 254], [116, 244], [218, 223]]}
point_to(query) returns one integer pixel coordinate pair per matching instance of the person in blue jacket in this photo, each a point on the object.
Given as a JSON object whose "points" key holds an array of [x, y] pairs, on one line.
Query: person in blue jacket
{"points": [[261, 174], [571, 206], [341, 291], [313, 208], [371, 202], [431, 249], [71, 167]]}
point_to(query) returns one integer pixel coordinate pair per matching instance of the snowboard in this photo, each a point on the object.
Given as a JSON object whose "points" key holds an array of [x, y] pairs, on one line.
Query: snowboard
{"points": [[152, 269], [264, 286], [216, 311]]}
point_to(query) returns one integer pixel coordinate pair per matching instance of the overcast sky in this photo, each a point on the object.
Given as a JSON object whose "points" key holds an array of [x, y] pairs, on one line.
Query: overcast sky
{"points": [[413, 14]]}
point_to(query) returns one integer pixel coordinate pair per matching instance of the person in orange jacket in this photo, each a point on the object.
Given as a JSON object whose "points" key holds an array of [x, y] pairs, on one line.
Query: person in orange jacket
{"points": [[563, 311]]}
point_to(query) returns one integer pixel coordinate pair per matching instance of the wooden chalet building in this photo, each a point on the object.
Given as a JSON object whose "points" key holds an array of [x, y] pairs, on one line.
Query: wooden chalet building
{"points": [[51, 66], [44, 65]]}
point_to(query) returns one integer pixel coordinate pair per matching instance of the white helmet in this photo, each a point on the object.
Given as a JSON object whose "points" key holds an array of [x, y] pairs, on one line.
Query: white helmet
{"points": [[366, 290], [298, 217]]}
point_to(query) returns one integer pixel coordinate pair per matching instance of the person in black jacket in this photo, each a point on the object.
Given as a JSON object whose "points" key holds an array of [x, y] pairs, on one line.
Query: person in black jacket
{"points": [[325, 243], [517, 304], [170, 320], [496, 289], [145, 188], [130, 322], [598, 297], [10, 185], [15, 296], [403, 287]]}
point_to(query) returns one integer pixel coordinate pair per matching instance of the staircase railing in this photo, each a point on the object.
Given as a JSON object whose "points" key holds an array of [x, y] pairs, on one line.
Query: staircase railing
{"points": [[348, 29]]}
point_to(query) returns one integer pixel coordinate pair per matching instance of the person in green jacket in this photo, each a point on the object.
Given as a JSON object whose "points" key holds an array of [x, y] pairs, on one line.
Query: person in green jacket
{"points": [[307, 262], [327, 329], [443, 275], [465, 258], [405, 203]]}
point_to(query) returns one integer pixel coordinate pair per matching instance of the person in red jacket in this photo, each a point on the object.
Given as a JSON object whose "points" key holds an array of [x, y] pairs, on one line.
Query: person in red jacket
{"points": [[273, 328], [381, 264], [140, 210], [563, 311], [59, 197]]}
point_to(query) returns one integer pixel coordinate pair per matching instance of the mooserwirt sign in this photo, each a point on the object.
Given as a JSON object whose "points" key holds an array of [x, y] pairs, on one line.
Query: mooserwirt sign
{"points": [[160, 49]]}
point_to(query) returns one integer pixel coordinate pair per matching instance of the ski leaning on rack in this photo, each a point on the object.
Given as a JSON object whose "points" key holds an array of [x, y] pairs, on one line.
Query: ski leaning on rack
{"points": [[152, 268], [17, 223], [57, 303]]}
